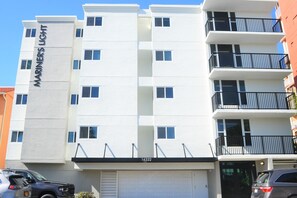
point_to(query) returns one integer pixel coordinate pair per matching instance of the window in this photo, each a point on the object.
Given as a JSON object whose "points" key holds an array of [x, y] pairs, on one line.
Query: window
{"points": [[74, 99], [92, 54], [88, 132], [17, 136], [94, 21], [221, 129], [79, 33], [26, 64], [90, 92], [71, 137], [21, 99], [163, 56], [247, 132], [76, 64], [166, 133], [288, 178], [162, 22], [30, 32], [164, 92]]}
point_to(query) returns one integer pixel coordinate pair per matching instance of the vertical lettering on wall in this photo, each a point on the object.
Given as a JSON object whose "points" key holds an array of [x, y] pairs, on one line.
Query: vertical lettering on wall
{"points": [[40, 55]]}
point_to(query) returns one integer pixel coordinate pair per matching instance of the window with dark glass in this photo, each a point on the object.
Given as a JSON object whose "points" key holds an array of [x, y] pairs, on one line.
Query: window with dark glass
{"points": [[221, 129], [76, 64], [164, 92], [288, 178], [92, 55], [30, 32], [26, 64], [74, 99], [79, 32], [162, 22], [71, 137], [163, 56], [17, 136], [247, 132], [94, 21], [88, 132], [243, 98], [21, 99], [166, 133], [90, 92]]}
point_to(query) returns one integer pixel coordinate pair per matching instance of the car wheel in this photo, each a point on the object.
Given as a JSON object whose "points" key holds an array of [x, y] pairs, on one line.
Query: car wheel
{"points": [[48, 196]]}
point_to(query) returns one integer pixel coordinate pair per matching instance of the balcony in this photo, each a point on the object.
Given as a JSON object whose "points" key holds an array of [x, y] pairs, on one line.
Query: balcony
{"points": [[255, 145], [243, 30], [252, 104], [225, 65]]}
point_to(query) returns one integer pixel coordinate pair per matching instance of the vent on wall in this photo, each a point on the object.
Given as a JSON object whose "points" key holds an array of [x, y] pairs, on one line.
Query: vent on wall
{"points": [[108, 184]]}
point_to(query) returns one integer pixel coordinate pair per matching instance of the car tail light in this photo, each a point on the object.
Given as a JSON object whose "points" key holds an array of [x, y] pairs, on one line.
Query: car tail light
{"points": [[266, 189], [12, 187]]}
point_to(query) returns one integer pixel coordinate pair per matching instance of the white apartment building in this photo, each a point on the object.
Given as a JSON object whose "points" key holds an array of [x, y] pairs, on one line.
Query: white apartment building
{"points": [[170, 101]]}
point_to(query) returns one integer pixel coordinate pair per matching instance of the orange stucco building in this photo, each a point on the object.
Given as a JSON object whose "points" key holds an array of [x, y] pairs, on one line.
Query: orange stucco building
{"points": [[287, 12], [288, 15], [6, 99]]}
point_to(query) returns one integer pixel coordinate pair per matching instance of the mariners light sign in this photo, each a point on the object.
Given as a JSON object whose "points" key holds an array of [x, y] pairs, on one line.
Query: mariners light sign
{"points": [[40, 55]]}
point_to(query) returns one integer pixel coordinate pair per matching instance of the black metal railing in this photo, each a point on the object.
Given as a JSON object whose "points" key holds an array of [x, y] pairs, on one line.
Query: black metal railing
{"points": [[244, 145], [253, 100], [248, 60], [243, 24]]}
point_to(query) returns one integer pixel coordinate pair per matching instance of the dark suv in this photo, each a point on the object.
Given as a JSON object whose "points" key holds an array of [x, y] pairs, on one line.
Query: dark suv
{"points": [[42, 188], [280, 183]]}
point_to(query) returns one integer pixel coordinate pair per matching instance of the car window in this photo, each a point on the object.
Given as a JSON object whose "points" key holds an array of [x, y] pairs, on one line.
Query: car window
{"points": [[24, 174], [38, 176], [263, 178], [17, 180], [288, 178]]}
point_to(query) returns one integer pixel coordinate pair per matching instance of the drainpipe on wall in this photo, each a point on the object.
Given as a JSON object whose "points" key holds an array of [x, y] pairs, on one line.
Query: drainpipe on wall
{"points": [[2, 125]]}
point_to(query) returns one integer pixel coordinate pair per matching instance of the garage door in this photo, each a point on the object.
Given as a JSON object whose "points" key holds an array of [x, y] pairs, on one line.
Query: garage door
{"points": [[162, 184]]}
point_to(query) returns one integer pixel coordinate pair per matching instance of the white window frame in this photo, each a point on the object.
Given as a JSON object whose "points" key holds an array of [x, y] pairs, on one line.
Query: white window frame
{"points": [[94, 23], [165, 93], [22, 99], [81, 33], [90, 93], [163, 55], [32, 33], [166, 132], [17, 136], [26, 61], [162, 22], [76, 99], [78, 62], [93, 54], [74, 136], [88, 138]]}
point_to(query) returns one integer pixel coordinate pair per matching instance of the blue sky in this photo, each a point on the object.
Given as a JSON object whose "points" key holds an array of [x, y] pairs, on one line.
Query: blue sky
{"points": [[12, 12]]}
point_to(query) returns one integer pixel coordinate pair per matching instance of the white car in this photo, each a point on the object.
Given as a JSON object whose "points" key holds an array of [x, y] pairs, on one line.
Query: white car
{"points": [[13, 186]]}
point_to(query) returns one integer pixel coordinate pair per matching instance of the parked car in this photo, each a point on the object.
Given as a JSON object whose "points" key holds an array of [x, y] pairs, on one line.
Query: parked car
{"points": [[13, 186], [43, 188], [281, 183]]}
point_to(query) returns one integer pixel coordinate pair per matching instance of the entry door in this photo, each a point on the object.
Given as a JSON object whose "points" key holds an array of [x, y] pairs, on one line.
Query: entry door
{"points": [[222, 21], [234, 133], [237, 179], [230, 95], [226, 58]]}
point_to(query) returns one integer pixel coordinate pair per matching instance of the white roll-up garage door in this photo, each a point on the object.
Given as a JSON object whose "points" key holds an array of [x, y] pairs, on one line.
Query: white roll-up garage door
{"points": [[162, 184]]}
